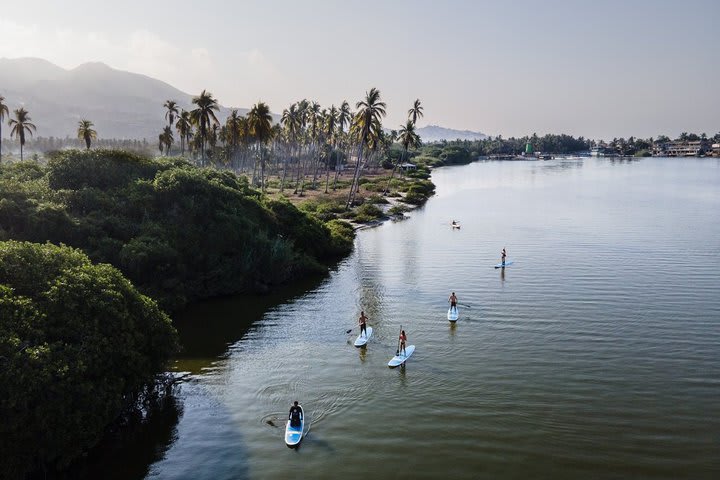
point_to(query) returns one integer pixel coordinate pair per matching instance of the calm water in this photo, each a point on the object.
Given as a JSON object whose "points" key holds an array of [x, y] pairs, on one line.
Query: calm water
{"points": [[596, 355]]}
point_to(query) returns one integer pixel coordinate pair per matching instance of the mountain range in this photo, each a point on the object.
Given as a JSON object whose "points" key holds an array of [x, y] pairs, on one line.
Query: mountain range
{"points": [[121, 104], [434, 133]]}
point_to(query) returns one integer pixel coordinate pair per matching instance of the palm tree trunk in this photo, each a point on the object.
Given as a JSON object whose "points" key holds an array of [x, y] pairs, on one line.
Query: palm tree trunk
{"points": [[327, 170], [338, 164], [387, 187], [202, 147], [351, 196], [282, 181], [316, 163], [299, 167], [262, 169]]}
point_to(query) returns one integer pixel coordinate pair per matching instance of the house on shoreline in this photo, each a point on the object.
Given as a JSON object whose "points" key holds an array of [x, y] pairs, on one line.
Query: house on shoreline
{"points": [[680, 148]]}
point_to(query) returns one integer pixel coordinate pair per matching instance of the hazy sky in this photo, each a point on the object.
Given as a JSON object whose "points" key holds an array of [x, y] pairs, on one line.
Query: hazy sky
{"points": [[594, 68]]}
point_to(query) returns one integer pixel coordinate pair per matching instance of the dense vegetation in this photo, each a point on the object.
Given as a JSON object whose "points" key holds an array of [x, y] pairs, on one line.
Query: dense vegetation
{"points": [[78, 346], [465, 151], [179, 232], [460, 152]]}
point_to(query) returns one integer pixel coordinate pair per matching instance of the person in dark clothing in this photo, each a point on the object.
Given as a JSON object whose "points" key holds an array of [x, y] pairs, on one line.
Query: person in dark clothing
{"points": [[504, 255], [295, 415], [363, 323]]}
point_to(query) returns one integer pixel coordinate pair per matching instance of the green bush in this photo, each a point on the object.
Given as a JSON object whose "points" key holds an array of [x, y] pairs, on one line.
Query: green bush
{"points": [[75, 169], [397, 210], [179, 232], [78, 344], [376, 200], [368, 212], [342, 235]]}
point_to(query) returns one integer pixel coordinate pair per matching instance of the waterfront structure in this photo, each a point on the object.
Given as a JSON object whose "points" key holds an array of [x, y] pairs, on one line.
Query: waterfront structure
{"points": [[681, 148], [602, 150]]}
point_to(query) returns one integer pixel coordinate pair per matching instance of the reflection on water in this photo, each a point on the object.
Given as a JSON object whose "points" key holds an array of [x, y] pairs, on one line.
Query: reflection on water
{"points": [[594, 356], [128, 450], [208, 328]]}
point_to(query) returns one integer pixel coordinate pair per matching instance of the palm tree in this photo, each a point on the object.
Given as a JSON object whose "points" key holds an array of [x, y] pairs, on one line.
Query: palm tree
{"points": [[331, 136], [203, 116], [260, 124], [344, 118], [184, 129], [409, 139], [232, 134], [20, 125], [172, 111], [292, 122], [86, 132], [368, 121], [3, 111], [166, 139], [315, 118], [415, 112]]}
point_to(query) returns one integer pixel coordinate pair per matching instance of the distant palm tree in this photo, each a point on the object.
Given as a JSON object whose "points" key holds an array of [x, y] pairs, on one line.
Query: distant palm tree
{"points": [[184, 129], [166, 139], [368, 122], [331, 138], [409, 139], [260, 124], [172, 111], [415, 112], [292, 122], [344, 115], [3, 111], [213, 135], [344, 118], [232, 133], [204, 116], [20, 125], [86, 132]]}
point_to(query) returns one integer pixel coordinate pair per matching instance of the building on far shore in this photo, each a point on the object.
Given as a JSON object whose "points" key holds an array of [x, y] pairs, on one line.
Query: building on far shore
{"points": [[681, 148], [602, 150], [716, 149]]}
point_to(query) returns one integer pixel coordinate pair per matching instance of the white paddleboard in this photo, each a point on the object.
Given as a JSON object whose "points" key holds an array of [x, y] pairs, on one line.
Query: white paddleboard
{"points": [[453, 314], [293, 435], [398, 360], [363, 338], [456, 225], [507, 263]]}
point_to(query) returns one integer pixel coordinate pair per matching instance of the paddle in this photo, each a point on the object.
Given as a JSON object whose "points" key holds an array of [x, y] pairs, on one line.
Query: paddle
{"points": [[349, 330], [397, 352], [464, 305]]}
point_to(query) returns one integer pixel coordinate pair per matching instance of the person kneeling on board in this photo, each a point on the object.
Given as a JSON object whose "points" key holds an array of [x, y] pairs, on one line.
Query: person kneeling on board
{"points": [[363, 323], [453, 302], [295, 416]]}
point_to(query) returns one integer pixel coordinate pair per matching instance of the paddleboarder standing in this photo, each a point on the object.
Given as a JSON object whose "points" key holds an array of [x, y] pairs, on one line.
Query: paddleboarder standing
{"points": [[453, 301], [504, 255], [403, 339], [363, 323], [295, 415]]}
